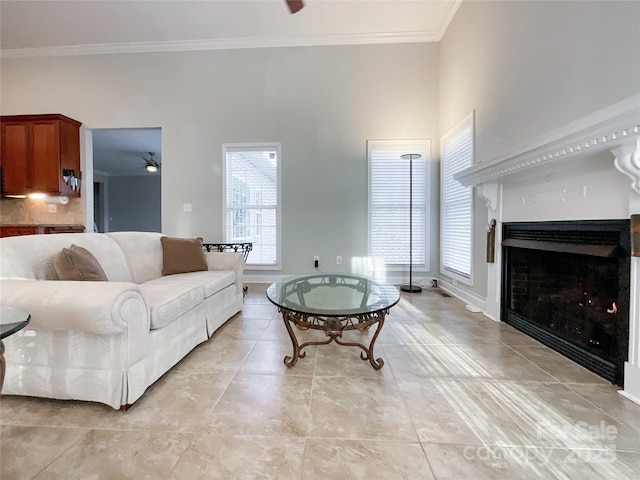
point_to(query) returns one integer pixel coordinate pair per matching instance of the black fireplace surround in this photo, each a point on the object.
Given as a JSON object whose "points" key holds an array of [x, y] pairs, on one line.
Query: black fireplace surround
{"points": [[566, 284]]}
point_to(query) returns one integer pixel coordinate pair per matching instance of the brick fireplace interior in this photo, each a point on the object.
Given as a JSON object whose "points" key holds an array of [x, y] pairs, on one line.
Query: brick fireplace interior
{"points": [[566, 284]]}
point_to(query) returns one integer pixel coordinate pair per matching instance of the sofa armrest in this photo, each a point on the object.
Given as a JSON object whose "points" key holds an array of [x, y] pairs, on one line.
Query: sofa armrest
{"points": [[103, 308], [227, 261]]}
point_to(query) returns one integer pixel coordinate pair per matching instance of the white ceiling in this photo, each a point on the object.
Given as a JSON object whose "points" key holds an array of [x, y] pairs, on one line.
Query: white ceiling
{"points": [[72, 27], [121, 151]]}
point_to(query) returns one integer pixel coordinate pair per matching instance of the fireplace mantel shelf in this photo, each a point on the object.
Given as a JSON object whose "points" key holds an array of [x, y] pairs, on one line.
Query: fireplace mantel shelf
{"points": [[610, 128]]}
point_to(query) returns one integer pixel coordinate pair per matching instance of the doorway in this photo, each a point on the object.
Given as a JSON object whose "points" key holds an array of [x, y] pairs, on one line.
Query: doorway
{"points": [[127, 171]]}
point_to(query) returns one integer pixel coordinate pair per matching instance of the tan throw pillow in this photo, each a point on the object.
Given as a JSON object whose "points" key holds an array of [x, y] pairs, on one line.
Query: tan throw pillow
{"points": [[182, 255], [77, 263]]}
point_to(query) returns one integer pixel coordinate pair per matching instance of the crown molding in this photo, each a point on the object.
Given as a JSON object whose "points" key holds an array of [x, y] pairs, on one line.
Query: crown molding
{"points": [[224, 44], [445, 20], [605, 129]]}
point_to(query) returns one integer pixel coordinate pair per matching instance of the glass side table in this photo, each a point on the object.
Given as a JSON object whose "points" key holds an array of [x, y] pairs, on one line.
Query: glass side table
{"points": [[12, 320]]}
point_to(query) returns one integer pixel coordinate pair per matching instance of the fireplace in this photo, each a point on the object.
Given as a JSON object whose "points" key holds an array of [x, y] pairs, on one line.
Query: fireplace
{"points": [[566, 284]]}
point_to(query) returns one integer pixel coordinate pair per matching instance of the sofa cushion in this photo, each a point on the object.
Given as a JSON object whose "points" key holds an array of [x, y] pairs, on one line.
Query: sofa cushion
{"points": [[211, 281], [31, 256], [168, 301], [182, 255], [77, 263], [143, 253]]}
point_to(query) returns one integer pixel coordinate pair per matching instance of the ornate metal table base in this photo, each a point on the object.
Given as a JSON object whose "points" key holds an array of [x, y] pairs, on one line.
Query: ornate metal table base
{"points": [[333, 328]]}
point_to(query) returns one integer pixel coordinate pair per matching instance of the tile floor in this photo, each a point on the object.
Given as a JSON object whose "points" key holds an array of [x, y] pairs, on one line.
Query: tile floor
{"points": [[460, 396]]}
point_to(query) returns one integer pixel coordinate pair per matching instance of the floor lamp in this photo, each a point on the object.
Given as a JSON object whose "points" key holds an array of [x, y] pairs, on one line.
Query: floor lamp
{"points": [[411, 287]]}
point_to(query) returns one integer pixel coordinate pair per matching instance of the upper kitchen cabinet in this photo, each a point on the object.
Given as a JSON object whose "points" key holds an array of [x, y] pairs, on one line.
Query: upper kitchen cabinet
{"points": [[40, 154]]}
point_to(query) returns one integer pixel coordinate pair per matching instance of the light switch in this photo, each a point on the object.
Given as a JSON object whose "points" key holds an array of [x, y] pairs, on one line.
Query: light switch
{"points": [[186, 207]]}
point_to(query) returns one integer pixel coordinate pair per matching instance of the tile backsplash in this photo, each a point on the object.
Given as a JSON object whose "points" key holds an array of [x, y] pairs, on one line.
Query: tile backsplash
{"points": [[27, 211]]}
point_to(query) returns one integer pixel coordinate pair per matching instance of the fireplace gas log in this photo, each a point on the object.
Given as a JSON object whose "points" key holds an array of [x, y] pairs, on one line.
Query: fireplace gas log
{"points": [[635, 235]]}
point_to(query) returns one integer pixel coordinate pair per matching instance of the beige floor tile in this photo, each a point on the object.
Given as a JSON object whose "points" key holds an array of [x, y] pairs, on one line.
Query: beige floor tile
{"points": [[211, 456], [528, 462], [596, 464], [465, 412], [345, 361], [268, 357], [359, 408], [178, 402], [277, 331], [552, 415], [256, 404], [216, 355], [558, 366], [258, 311], [15, 410], [25, 451], [512, 337], [482, 462], [240, 329], [607, 398], [475, 361], [356, 459], [121, 454]]}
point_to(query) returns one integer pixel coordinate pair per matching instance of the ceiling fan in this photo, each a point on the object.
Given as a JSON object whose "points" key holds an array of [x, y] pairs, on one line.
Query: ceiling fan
{"points": [[294, 5], [150, 163]]}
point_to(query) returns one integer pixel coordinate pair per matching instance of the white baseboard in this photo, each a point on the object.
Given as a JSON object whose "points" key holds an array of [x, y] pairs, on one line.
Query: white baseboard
{"points": [[473, 300], [394, 279]]}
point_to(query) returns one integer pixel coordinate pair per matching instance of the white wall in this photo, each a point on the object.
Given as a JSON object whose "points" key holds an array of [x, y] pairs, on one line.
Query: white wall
{"points": [[134, 203], [321, 103], [528, 68]]}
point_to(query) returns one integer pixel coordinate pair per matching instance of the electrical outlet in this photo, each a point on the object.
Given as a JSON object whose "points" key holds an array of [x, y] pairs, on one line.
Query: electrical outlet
{"points": [[186, 207], [316, 261], [52, 208], [339, 260]]}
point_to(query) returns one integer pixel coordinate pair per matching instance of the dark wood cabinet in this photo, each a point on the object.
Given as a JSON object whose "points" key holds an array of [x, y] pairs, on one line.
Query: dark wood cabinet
{"points": [[15, 230], [40, 154]]}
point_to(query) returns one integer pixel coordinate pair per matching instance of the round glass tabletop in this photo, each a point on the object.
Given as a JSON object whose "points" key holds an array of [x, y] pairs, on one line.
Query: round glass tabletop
{"points": [[12, 320], [333, 294]]}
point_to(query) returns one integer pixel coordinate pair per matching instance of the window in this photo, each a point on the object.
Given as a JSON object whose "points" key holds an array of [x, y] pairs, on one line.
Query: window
{"points": [[252, 193], [389, 202], [456, 202]]}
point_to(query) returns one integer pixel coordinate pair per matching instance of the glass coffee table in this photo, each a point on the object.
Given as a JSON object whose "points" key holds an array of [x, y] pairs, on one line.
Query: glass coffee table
{"points": [[11, 321], [334, 303]]}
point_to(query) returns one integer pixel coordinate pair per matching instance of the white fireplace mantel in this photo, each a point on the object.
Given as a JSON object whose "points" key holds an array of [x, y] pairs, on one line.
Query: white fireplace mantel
{"points": [[615, 129], [610, 128]]}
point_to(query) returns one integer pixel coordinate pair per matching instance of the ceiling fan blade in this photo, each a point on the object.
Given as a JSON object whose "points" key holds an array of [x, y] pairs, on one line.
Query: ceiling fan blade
{"points": [[294, 5]]}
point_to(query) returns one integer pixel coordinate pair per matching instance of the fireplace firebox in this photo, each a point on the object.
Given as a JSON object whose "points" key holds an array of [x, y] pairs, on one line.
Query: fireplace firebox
{"points": [[566, 284]]}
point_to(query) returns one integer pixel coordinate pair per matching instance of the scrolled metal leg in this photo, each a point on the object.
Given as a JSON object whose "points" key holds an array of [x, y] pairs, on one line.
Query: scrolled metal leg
{"points": [[378, 363], [367, 353], [290, 361]]}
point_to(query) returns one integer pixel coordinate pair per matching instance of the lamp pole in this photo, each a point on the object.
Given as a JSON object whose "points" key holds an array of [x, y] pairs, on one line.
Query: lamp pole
{"points": [[411, 288]]}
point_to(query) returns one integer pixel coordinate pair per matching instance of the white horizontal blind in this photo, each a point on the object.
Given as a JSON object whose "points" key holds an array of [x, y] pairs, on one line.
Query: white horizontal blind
{"points": [[389, 202], [456, 202], [252, 200]]}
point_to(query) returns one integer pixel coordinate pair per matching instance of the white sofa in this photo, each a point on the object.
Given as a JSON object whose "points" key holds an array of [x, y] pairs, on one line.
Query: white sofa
{"points": [[108, 341]]}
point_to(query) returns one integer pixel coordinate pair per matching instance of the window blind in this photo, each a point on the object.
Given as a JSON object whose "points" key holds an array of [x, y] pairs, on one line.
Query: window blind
{"points": [[456, 203], [251, 192], [389, 202]]}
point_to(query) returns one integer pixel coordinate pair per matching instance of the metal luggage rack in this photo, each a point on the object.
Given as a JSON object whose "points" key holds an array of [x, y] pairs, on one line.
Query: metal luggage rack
{"points": [[244, 248]]}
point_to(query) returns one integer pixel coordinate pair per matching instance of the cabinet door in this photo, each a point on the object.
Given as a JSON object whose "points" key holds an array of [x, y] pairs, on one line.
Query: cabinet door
{"points": [[16, 167], [9, 231], [46, 156]]}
